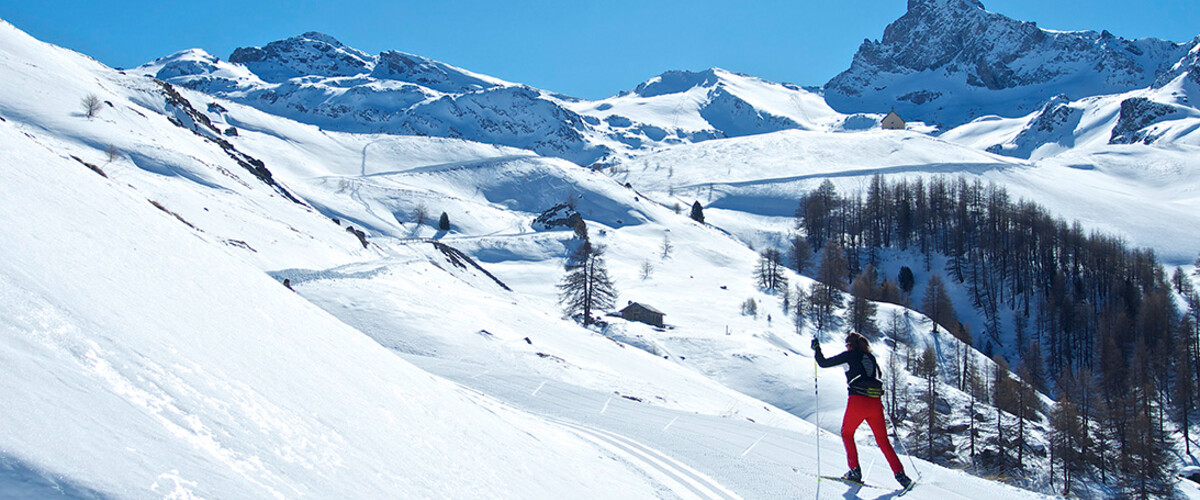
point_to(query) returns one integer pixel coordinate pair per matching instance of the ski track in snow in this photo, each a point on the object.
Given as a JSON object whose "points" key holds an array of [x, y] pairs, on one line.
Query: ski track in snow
{"points": [[682, 478]]}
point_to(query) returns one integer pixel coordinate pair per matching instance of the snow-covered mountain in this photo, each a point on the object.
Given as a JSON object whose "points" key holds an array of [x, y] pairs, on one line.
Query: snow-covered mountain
{"points": [[144, 248], [946, 62], [315, 79], [150, 350], [950, 61]]}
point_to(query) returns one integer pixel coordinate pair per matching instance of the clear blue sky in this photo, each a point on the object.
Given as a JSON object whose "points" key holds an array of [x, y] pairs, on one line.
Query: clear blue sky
{"points": [[584, 48]]}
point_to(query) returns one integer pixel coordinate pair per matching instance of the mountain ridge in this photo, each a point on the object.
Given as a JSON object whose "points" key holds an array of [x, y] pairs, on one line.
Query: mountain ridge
{"points": [[316, 79], [950, 61]]}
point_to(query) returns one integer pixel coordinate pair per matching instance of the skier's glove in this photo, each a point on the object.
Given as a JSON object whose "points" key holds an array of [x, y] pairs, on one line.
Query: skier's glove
{"points": [[816, 344]]}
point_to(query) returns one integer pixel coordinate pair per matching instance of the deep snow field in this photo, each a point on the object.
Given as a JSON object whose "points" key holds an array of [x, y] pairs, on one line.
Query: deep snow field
{"points": [[149, 350]]}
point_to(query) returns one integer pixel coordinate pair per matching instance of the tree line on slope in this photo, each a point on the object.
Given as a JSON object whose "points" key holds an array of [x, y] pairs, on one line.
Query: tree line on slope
{"points": [[1094, 322]]}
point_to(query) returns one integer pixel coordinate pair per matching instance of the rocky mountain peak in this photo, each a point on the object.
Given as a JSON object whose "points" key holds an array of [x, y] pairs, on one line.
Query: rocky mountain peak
{"points": [[935, 4], [311, 53], [949, 61], [935, 33]]}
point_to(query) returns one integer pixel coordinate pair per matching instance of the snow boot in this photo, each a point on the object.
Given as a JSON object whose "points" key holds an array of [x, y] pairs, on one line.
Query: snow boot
{"points": [[903, 480], [853, 475]]}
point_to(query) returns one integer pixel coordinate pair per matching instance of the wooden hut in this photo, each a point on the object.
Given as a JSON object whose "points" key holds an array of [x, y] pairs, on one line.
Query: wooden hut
{"points": [[643, 313]]}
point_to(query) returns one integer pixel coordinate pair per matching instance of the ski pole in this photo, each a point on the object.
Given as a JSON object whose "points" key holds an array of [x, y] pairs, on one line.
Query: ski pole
{"points": [[817, 407], [900, 442]]}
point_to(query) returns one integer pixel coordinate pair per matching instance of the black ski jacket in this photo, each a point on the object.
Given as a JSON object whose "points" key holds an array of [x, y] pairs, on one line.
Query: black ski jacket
{"points": [[862, 371]]}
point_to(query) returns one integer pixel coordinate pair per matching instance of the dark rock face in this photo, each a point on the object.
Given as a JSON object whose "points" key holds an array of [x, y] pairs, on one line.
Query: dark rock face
{"points": [[558, 216], [1137, 114], [948, 61]]}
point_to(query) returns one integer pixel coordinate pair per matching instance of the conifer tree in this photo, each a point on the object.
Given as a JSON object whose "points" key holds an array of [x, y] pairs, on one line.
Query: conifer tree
{"points": [[862, 309], [936, 303], [826, 295], [800, 306], [976, 388], [833, 270], [1004, 398], [1068, 441], [905, 279], [697, 212], [1028, 408], [444, 222], [769, 273], [800, 253], [928, 422], [890, 293], [895, 381], [823, 300], [1184, 395], [586, 288]]}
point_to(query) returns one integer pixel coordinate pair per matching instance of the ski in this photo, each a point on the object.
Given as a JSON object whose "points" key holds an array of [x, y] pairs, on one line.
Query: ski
{"points": [[852, 483], [906, 489]]}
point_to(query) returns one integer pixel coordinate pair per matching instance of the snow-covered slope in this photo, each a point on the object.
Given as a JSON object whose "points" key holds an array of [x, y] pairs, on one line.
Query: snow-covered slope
{"points": [[950, 61], [147, 354], [140, 362], [147, 357], [1163, 116]]}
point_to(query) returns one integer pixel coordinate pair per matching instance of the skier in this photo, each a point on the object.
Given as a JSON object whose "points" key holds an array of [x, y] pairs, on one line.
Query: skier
{"points": [[862, 376]]}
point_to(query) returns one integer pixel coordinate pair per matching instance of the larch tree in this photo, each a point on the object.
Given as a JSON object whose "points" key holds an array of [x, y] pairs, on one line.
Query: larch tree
{"points": [[801, 254], [1067, 441], [936, 304], [769, 273], [927, 421], [862, 306], [91, 105], [586, 288], [826, 295], [801, 306]]}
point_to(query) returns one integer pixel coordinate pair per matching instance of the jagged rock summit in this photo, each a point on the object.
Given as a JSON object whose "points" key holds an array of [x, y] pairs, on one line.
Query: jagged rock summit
{"points": [[949, 61]]}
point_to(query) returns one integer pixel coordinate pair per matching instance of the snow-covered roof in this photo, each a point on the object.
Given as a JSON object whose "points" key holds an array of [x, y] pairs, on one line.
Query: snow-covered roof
{"points": [[643, 306]]}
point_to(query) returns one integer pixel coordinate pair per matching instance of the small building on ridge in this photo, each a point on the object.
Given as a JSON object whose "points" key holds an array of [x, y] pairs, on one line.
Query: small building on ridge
{"points": [[893, 122]]}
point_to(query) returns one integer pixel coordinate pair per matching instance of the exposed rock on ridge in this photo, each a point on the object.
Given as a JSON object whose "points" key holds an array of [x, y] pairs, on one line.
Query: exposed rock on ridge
{"points": [[948, 61]]}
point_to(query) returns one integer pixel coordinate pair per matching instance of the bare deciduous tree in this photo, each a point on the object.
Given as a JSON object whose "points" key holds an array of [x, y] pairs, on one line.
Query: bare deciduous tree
{"points": [[91, 105], [647, 270], [420, 214]]}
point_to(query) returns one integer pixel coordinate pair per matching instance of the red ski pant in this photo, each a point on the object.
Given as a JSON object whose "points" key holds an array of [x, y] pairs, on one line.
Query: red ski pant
{"points": [[860, 408]]}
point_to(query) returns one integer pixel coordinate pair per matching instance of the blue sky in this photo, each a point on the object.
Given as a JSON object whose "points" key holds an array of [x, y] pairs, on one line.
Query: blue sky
{"points": [[584, 48]]}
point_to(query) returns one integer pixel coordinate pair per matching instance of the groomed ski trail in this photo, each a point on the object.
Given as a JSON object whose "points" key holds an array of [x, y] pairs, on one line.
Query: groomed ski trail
{"points": [[679, 477]]}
